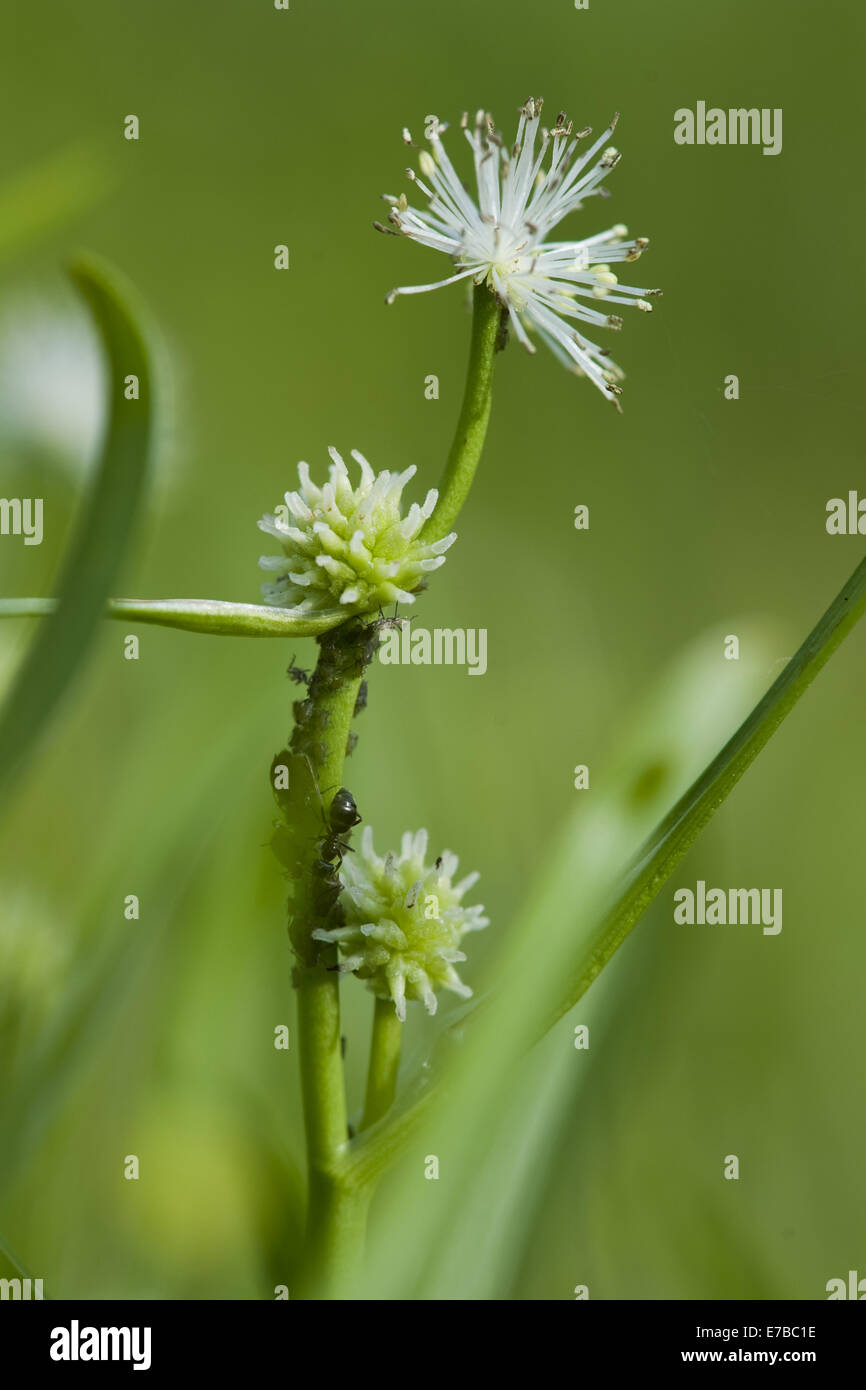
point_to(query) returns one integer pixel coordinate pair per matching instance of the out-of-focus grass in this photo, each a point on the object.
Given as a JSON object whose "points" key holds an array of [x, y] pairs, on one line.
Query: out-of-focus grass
{"points": [[102, 540], [488, 1189], [157, 773]]}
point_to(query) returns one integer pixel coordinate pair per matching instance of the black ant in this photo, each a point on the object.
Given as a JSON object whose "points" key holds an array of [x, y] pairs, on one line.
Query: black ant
{"points": [[342, 817]]}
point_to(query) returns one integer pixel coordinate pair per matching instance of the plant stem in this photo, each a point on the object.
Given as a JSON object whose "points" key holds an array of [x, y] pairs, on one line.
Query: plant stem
{"points": [[336, 1211], [384, 1062], [336, 1230], [321, 1062], [474, 415]]}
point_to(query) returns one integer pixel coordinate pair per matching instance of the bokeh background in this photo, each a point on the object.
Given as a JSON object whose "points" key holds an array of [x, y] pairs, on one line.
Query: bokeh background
{"points": [[154, 1037]]}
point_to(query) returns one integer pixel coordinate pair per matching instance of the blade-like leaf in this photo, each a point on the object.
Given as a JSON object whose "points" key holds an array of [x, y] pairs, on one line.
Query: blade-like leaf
{"points": [[43, 195], [671, 839], [102, 537], [570, 909], [206, 615]]}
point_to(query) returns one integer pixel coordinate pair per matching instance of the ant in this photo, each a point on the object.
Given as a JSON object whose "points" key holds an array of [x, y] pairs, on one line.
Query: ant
{"points": [[342, 817]]}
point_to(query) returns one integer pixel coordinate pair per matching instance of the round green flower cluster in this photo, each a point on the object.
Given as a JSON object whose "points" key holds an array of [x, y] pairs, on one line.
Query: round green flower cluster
{"points": [[349, 549], [403, 922]]}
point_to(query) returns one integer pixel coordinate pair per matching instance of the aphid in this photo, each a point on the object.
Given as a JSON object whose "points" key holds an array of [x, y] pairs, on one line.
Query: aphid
{"points": [[374, 631], [326, 887], [351, 743], [296, 674], [361, 701], [284, 845]]}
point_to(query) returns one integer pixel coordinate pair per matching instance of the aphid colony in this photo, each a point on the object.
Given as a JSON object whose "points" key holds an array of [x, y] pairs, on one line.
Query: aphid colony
{"points": [[314, 877]]}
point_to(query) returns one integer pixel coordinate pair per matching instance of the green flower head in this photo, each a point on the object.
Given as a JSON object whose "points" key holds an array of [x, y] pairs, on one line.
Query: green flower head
{"points": [[404, 922], [349, 549]]}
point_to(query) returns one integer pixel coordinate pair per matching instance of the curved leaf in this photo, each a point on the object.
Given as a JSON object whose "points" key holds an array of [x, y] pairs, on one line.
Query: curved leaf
{"points": [[102, 537]]}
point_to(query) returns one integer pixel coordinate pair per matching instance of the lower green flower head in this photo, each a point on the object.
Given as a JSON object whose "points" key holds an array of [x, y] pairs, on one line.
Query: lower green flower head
{"points": [[404, 921], [349, 549]]}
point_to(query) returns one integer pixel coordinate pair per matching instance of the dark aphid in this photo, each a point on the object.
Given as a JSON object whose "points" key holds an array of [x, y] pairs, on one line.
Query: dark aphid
{"points": [[281, 783], [294, 783], [296, 674], [361, 701], [285, 845], [302, 709], [326, 890]]}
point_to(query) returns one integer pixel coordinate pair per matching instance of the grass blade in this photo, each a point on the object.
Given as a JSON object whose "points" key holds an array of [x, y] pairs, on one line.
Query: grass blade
{"points": [[581, 912], [102, 538], [684, 822]]}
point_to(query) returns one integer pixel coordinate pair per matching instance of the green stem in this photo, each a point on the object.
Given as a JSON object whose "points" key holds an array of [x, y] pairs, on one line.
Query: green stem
{"points": [[321, 1061], [474, 415], [336, 1230], [336, 1211], [384, 1062]]}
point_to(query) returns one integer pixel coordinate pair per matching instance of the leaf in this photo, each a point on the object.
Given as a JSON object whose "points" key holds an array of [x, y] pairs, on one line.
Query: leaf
{"points": [[40, 197], [206, 615], [101, 541], [670, 841], [569, 929], [479, 1062]]}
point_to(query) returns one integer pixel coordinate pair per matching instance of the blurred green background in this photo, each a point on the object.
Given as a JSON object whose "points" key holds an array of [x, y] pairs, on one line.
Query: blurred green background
{"points": [[154, 1037]]}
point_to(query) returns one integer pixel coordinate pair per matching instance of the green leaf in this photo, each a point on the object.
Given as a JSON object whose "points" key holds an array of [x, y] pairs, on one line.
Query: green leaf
{"points": [[666, 846], [44, 195], [205, 615], [101, 541], [604, 873]]}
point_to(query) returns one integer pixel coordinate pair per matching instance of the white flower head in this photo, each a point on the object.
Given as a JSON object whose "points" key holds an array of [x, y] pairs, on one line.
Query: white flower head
{"points": [[549, 287], [349, 549], [403, 922]]}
